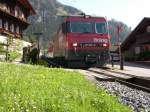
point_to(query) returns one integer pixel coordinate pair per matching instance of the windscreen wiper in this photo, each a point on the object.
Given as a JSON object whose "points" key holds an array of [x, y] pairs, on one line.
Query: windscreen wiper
{"points": [[86, 32]]}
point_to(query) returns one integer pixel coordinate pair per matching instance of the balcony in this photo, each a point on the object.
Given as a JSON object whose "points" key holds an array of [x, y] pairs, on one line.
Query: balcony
{"points": [[10, 33], [13, 15]]}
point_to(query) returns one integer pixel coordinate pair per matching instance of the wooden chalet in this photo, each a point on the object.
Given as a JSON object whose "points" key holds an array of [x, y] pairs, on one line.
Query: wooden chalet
{"points": [[13, 17], [138, 41]]}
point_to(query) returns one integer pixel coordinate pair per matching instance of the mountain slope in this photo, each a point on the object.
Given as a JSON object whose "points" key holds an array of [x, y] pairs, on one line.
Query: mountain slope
{"points": [[47, 21]]}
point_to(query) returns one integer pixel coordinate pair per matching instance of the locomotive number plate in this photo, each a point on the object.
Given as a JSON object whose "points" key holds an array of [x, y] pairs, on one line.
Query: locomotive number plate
{"points": [[90, 45]]}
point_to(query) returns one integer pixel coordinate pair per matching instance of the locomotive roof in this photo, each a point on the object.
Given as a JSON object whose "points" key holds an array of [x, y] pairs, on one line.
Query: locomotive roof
{"points": [[78, 16], [81, 17]]}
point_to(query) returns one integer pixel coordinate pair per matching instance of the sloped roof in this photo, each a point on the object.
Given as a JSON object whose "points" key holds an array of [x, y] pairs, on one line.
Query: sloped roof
{"points": [[27, 5], [141, 28]]}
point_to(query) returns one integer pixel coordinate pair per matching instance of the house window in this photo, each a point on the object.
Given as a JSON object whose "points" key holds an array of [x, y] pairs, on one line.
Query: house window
{"points": [[22, 16], [148, 29], [20, 30], [4, 7], [1, 5], [12, 28], [16, 11], [4, 24], [20, 13], [12, 11], [7, 25], [137, 50], [17, 29], [8, 9], [1, 23]]}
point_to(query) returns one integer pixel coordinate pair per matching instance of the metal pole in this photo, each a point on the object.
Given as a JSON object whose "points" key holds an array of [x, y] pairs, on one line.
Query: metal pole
{"points": [[43, 21], [119, 48], [38, 43], [38, 51], [121, 58], [121, 62], [112, 61]]}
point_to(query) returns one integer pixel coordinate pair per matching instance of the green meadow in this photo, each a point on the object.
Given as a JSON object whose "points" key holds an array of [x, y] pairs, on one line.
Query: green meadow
{"points": [[26, 88]]}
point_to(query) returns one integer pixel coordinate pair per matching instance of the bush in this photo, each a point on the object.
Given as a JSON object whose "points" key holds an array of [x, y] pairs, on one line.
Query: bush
{"points": [[143, 56], [131, 58], [13, 55], [43, 63]]}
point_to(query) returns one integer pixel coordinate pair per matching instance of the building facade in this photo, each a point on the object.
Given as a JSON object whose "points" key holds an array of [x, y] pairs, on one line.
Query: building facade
{"points": [[13, 17], [137, 44]]}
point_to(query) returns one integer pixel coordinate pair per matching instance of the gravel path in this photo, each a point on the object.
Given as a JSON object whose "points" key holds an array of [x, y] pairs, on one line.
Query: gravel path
{"points": [[136, 99]]}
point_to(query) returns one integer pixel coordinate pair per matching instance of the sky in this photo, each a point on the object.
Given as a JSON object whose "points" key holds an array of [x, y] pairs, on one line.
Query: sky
{"points": [[130, 12]]}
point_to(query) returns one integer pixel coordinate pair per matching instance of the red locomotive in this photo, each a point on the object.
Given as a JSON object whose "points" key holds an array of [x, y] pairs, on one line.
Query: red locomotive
{"points": [[82, 41]]}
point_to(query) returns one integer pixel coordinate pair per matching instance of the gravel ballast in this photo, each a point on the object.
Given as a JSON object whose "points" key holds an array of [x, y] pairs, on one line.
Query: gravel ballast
{"points": [[136, 99]]}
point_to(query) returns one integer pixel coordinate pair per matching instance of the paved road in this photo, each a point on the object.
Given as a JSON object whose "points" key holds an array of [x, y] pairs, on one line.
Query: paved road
{"points": [[133, 69], [130, 70]]}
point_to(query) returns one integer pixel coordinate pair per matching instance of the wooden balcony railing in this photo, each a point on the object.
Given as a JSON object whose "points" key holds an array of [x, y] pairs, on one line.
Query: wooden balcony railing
{"points": [[10, 33], [12, 15]]}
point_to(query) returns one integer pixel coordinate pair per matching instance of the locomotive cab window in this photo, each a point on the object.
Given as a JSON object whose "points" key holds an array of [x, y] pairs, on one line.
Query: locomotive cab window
{"points": [[81, 27], [101, 28]]}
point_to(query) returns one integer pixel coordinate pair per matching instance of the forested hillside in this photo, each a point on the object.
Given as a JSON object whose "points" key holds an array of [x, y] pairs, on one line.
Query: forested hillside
{"points": [[124, 30], [47, 21]]}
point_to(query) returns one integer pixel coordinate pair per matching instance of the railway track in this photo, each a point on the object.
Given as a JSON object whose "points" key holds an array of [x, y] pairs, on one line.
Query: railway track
{"points": [[102, 74]]}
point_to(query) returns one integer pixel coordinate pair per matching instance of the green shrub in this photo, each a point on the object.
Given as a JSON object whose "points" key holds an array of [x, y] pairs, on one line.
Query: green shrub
{"points": [[43, 63], [13, 55], [131, 58], [143, 56]]}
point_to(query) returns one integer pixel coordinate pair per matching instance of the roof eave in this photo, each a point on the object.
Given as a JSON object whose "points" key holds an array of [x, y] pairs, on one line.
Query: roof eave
{"points": [[128, 39], [29, 6]]}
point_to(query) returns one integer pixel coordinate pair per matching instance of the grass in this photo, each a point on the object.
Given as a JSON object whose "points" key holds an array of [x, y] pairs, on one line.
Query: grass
{"points": [[28, 88]]}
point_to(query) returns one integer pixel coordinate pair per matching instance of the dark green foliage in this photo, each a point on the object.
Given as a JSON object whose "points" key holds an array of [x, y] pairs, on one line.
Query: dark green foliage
{"points": [[1, 49], [113, 31], [43, 63], [143, 56], [46, 19], [13, 55], [129, 58]]}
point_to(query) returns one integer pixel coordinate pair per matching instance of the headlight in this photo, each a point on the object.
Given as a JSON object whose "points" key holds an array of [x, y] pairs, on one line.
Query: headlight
{"points": [[75, 44], [104, 45]]}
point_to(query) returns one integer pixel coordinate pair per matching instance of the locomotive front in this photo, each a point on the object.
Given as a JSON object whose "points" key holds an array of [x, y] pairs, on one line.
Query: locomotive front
{"points": [[87, 41]]}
